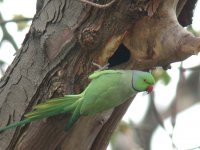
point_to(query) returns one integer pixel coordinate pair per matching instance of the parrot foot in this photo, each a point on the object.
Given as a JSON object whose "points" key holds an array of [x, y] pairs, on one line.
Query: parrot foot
{"points": [[101, 67]]}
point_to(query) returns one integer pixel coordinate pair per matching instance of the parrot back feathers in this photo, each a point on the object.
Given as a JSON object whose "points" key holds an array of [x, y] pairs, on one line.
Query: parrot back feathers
{"points": [[97, 74]]}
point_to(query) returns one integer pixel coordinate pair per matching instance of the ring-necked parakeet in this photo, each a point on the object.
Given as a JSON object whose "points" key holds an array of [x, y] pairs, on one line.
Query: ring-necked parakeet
{"points": [[107, 89]]}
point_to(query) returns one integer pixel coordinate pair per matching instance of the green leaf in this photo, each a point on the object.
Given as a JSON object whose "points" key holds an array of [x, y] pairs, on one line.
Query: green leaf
{"points": [[20, 21], [161, 75]]}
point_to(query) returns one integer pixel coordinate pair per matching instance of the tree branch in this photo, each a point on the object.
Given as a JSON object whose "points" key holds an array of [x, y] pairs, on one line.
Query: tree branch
{"points": [[6, 35], [99, 5], [3, 22], [164, 41], [56, 59]]}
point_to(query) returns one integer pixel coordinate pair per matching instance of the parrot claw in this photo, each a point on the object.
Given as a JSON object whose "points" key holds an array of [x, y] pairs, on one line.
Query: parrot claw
{"points": [[100, 68]]}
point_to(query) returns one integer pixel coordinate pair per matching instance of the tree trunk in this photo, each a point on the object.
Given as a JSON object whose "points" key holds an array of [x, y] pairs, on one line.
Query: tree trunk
{"points": [[56, 57]]}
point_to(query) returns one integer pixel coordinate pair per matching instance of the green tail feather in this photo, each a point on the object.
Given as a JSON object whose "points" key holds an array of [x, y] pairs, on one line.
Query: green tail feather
{"points": [[74, 117], [67, 99], [20, 123], [50, 108]]}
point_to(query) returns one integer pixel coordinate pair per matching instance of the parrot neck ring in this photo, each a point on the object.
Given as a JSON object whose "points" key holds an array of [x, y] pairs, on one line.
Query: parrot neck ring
{"points": [[133, 85], [135, 89]]}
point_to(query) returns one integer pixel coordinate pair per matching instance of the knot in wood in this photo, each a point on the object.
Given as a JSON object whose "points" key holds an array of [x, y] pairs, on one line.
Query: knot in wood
{"points": [[135, 10], [89, 38]]}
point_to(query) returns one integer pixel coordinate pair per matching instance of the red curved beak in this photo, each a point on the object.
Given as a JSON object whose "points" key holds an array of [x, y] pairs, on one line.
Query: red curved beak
{"points": [[149, 89]]}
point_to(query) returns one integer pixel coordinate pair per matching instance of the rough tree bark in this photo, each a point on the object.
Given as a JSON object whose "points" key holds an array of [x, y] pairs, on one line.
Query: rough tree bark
{"points": [[56, 57]]}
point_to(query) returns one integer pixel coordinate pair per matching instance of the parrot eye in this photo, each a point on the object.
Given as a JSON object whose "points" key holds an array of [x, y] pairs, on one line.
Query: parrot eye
{"points": [[144, 80]]}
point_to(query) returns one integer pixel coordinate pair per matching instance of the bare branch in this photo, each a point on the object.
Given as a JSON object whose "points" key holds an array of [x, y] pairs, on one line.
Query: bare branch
{"points": [[196, 68], [99, 5], [197, 147], [6, 35], [3, 22], [101, 67]]}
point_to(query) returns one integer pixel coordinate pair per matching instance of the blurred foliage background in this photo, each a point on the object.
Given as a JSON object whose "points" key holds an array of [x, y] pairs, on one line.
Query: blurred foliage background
{"points": [[157, 119]]}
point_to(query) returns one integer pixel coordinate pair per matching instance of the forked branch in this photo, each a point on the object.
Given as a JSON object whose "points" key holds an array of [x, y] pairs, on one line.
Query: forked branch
{"points": [[163, 41]]}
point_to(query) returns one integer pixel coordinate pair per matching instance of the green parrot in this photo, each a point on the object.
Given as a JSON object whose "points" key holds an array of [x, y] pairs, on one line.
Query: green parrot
{"points": [[107, 89]]}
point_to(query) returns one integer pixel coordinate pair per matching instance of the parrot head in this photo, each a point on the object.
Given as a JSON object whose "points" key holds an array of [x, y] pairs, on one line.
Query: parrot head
{"points": [[142, 81]]}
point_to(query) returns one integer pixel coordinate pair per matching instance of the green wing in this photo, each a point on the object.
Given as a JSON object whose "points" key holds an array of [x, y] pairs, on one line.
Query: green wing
{"points": [[109, 90]]}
